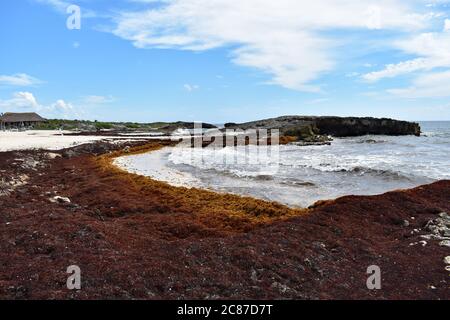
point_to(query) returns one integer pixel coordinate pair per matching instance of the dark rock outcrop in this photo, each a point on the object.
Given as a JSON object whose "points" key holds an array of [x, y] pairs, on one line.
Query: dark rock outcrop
{"points": [[184, 125], [306, 126], [344, 127]]}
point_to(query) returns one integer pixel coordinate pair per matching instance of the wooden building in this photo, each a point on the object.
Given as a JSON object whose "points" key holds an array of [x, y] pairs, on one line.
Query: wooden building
{"points": [[11, 120]]}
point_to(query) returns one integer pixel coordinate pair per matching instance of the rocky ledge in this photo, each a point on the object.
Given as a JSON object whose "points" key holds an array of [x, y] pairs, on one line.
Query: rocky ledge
{"points": [[317, 129]]}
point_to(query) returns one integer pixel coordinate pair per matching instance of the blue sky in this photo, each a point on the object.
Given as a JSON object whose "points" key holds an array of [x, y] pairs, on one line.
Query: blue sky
{"points": [[226, 60]]}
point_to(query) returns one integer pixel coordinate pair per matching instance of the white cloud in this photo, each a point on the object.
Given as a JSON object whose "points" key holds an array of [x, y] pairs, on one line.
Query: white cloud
{"points": [[62, 5], [434, 85], [20, 100], [25, 101], [59, 5], [18, 80], [433, 50], [191, 87], [283, 38], [447, 25], [394, 70], [98, 99], [61, 105], [373, 14]]}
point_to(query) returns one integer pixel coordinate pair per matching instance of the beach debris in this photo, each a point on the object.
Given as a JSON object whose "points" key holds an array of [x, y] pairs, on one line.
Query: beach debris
{"points": [[127, 149], [52, 155], [439, 231], [434, 237], [444, 215], [59, 199], [405, 223], [282, 288], [423, 243], [30, 163], [445, 243], [8, 186], [21, 180], [4, 188], [439, 226], [254, 276]]}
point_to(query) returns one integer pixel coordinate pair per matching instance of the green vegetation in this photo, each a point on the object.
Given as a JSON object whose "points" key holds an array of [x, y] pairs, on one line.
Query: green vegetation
{"points": [[85, 125], [103, 125], [56, 124], [132, 125]]}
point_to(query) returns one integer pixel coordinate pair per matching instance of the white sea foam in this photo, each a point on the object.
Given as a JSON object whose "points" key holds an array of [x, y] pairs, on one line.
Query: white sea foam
{"points": [[153, 165]]}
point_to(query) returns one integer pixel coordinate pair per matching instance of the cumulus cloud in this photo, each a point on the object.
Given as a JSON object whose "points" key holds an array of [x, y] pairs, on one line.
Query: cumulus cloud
{"points": [[20, 100], [26, 102], [18, 80], [285, 38], [61, 105]]}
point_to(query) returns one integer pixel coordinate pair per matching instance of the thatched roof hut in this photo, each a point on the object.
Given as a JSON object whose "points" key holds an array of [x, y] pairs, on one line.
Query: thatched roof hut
{"points": [[11, 120]]}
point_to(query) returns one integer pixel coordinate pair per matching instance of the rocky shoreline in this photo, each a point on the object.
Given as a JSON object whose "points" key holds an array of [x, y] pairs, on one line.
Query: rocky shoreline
{"points": [[320, 130], [135, 238]]}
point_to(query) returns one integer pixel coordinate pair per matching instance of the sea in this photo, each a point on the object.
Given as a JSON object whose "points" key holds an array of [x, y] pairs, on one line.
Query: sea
{"points": [[298, 176]]}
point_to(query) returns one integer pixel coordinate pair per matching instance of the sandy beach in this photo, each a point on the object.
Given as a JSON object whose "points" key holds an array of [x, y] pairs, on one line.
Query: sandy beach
{"points": [[58, 140], [50, 140]]}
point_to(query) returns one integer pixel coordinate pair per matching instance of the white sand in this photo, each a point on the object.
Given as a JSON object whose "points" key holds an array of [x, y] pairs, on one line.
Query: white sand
{"points": [[143, 134], [50, 140]]}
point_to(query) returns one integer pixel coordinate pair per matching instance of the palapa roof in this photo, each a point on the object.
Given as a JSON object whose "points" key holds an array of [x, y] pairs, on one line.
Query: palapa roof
{"points": [[9, 117]]}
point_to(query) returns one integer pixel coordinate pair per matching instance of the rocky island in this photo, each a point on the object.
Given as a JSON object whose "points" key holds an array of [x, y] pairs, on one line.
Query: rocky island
{"points": [[311, 129]]}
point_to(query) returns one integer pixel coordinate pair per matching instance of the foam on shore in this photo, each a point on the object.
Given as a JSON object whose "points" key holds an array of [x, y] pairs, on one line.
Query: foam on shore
{"points": [[154, 165]]}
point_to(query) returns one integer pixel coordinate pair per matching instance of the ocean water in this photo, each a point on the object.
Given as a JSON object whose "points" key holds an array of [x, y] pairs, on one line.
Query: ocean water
{"points": [[299, 176]]}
